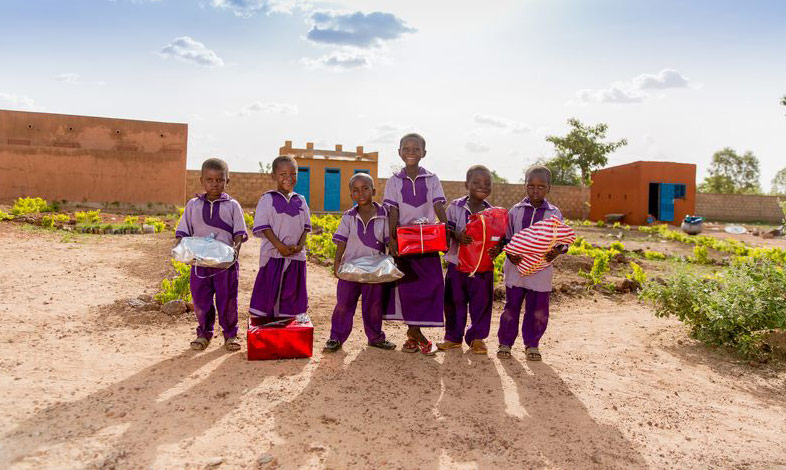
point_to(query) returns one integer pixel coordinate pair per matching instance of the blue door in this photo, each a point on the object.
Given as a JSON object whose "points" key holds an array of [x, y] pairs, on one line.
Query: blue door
{"points": [[332, 189], [666, 212], [361, 171], [303, 185]]}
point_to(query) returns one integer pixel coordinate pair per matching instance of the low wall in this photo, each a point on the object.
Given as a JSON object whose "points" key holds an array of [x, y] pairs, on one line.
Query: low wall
{"points": [[739, 207]]}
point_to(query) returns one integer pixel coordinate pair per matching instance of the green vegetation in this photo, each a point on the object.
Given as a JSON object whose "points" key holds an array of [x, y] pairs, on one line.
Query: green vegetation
{"points": [[700, 255], [158, 224], [638, 275], [32, 205], [131, 219], [50, 221], [249, 219], [178, 287], [655, 255], [89, 217], [5, 216], [735, 308], [730, 173]]}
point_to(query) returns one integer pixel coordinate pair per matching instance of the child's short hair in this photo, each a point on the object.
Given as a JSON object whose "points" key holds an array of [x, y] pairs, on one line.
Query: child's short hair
{"points": [[361, 175], [538, 169], [278, 161], [413, 135], [476, 168], [216, 164]]}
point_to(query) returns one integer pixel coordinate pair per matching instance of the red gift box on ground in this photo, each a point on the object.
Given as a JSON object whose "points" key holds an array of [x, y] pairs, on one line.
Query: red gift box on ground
{"points": [[419, 239], [486, 229], [278, 338]]}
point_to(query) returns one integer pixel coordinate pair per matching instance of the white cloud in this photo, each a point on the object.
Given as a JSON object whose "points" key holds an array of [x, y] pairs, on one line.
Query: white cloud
{"points": [[387, 133], [502, 123], [68, 77], [16, 101], [634, 91], [339, 60], [613, 94], [475, 147], [666, 78], [269, 108], [249, 8], [189, 50], [358, 29]]}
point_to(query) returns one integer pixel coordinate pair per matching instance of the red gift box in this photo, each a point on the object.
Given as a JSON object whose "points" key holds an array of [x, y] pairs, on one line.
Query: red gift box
{"points": [[277, 338], [486, 229], [419, 239]]}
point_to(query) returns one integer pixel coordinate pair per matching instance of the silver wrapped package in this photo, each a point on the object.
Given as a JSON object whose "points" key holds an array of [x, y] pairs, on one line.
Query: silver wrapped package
{"points": [[204, 251], [374, 269]]}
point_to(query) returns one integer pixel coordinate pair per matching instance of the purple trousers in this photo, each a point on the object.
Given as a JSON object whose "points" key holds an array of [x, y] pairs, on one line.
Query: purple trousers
{"points": [[536, 316], [465, 294], [207, 283], [375, 297], [419, 295], [280, 289]]}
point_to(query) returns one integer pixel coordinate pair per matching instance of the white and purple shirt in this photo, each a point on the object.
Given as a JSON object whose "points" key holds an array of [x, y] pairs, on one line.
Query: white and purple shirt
{"points": [[414, 199], [363, 239], [521, 216], [222, 217], [287, 217], [458, 213]]}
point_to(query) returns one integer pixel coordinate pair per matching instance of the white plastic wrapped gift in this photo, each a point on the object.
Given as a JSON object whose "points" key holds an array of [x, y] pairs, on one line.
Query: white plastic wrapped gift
{"points": [[204, 251], [373, 269]]}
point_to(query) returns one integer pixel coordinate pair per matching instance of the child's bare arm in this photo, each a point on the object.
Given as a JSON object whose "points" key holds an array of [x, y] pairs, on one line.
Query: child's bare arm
{"points": [[439, 209], [283, 249], [236, 242], [340, 247], [393, 243], [300, 243]]}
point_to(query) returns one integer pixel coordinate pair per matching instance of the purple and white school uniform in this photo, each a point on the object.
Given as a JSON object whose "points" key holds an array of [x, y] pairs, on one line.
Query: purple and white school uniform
{"points": [[534, 290], [418, 296], [280, 287], [463, 293], [224, 219], [362, 239]]}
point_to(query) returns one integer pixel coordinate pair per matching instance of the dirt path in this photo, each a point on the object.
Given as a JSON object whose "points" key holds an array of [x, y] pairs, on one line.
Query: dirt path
{"points": [[86, 384]]}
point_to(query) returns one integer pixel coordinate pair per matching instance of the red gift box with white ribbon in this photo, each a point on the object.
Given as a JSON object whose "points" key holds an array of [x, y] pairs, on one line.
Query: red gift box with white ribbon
{"points": [[279, 338], [421, 238]]}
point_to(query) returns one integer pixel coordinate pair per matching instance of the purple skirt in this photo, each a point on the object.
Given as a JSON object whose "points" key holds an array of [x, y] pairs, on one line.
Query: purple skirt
{"points": [[280, 289], [418, 298]]}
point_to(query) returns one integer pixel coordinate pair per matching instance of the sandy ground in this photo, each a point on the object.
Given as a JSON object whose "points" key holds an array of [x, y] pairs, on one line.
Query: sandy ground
{"points": [[86, 384]]}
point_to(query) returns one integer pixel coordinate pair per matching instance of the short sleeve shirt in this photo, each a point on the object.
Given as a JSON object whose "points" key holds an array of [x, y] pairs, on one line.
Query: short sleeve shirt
{"points": [[414, 199], [363, 239], [287, 217], [222, 218]]}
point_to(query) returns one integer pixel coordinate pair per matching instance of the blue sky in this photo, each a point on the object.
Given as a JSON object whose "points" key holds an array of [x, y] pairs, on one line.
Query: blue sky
{"points": [[485, 82]]}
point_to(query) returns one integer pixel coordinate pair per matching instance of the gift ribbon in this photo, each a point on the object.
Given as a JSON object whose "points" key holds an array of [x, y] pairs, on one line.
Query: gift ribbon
{"points": [[422, 248], [483, 248]]}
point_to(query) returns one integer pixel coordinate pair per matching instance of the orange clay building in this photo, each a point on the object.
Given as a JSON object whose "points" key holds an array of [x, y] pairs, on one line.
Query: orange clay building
{"points": [[91, 159], [664, 190], [323, 175]]}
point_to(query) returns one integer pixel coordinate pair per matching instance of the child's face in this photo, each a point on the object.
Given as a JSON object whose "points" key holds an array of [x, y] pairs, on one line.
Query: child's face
{"points": [[411, 151], [213, 181], [478, 185], [363, 191], [537, 187], [285, 176]]}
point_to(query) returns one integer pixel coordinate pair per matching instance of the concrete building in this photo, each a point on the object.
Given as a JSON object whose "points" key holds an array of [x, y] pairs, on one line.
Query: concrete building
{"points": [[323, 175], [92, 159], [664, 190]]}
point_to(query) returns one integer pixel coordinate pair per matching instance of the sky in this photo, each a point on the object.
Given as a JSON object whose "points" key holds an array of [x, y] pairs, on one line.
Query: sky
{"points": [[484, 82]]}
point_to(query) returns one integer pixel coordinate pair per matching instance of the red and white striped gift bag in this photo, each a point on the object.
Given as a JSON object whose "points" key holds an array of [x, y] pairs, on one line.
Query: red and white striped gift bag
{"points": [[532, 244]]}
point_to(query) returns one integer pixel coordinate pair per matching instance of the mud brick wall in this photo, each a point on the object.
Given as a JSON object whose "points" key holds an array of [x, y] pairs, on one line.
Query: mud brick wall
{"points": [[247, 188], [739, 207]]}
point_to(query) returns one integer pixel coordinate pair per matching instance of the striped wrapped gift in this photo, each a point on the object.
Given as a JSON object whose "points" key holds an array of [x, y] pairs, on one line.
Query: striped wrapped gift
{"points": [[532, 244]]}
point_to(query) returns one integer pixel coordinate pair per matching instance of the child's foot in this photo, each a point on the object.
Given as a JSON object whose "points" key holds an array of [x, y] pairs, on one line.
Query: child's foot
{"points": [[427, 348], [533, 354], [445, 345], [232, 344], [479, 347], [410, 346], [332, 345], [200, 344], [383, 344], [503, 352]]}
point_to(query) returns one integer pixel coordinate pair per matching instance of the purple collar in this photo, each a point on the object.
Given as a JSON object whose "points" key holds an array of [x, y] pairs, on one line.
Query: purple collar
{"points": [[353, 212], [421, 172], [222, 197], [546, 204], [464, 202]]}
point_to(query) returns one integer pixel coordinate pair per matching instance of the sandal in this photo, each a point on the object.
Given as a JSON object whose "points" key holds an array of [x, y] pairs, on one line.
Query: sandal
{"points": [[332, 345], [383, 344], [410, 346], [479, 347], [427, 348], [200, 344], [445, 345], [503, 352], [232, 344], [533, 354]]}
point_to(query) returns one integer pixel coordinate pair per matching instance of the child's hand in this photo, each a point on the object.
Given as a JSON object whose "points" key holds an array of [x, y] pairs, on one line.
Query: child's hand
{"points": [[494, 251], [552, 255], [462, 237], [514, 259], [295, 249], [284, 250]]}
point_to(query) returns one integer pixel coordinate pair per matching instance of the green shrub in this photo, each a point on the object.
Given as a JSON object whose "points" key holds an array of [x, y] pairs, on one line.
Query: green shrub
{"points": [[734, 308], [31, 205], [249, 219], [5, 216], [600, 267], [157, 223], [618, 246], [600, 224], [131, 219], [654, 256], [701, 255], [638, 275], [178, 287], [321, 245], [55, 219], [89, 217]]}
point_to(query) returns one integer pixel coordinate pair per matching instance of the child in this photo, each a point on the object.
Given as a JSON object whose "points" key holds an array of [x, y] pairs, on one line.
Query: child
{"points": [[217, 213], [463, 292], [363, 231], [533, 290], [412, 194], [282, 220]]}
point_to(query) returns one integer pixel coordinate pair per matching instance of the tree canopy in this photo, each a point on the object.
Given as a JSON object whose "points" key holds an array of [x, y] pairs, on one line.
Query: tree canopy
{"points": [[582, 148], [496, 178], [730, 173], [563, 171], [779, 182]]}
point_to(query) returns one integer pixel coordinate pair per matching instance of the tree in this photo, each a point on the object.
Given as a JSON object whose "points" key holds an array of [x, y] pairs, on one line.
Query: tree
{"points": [[783, 100], [265, 167], [779, 182], [583, 148], [732, 174], [496, 178], [563, 171]]}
